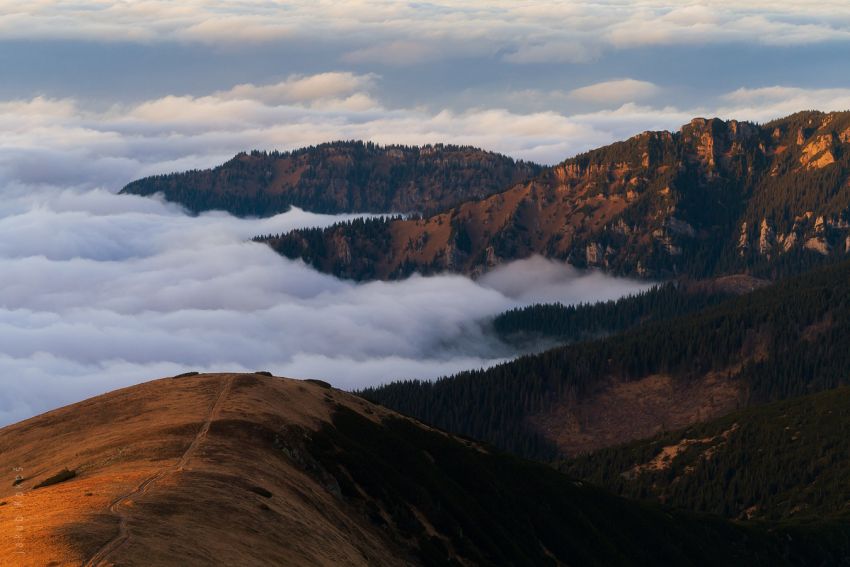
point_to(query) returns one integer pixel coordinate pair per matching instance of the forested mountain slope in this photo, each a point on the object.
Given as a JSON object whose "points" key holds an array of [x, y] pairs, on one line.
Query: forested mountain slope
{"points": [[249, 469], [715, 197], [342, 177], [548, 322], [785, 340], [786, 460]]}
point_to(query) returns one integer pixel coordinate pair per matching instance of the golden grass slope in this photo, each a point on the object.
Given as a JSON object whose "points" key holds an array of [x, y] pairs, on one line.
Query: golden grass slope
{"points": [[177, 472]]}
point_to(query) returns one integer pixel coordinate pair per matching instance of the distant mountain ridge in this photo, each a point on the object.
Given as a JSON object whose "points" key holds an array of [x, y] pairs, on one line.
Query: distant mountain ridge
{"points": [[342, 177], [714, 197]]}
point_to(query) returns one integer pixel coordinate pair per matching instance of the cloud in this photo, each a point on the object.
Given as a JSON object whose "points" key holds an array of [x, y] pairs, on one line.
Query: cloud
{"points": [[325, 88], [728, 21], [101, 291], [616, 91], [550, 279], [381, 32], [766, 103]]}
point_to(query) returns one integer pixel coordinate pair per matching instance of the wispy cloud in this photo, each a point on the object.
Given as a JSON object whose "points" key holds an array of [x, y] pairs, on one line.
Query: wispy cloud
{"points": [[765, 103], [333, 89], [616, 91]]}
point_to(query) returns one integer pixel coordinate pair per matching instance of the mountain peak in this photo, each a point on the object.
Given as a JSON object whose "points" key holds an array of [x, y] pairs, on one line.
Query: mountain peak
{"points": [[342, 177]]}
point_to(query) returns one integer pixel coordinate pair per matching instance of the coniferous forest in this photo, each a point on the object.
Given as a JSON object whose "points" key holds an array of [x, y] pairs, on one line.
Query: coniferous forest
{"points": [[787, 460], [341, 177], [785, 340], [585, 321]]}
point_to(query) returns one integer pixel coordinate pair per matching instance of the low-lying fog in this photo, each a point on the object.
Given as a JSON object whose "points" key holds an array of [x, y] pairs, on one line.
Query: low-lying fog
{"points": [[101, 291]]}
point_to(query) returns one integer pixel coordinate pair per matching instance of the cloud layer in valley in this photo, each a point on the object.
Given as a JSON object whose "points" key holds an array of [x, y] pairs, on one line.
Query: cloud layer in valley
{"points": [[97, 290], [101, 291]]}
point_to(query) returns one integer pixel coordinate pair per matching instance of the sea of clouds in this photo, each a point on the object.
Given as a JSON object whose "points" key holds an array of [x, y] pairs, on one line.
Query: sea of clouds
{"points": [[101, 291]]}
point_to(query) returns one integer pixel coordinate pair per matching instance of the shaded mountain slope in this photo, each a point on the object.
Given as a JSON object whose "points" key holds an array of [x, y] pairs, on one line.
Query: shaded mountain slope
{"points": [[247, 469], [715, 197], [543, 323], [342, 177], [785, 340], [785, 460]]}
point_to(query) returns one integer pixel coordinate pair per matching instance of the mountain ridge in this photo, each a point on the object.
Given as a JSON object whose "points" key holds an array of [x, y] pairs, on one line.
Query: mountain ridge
{"points": [[306, 474], [715, 197], [341, 177]]}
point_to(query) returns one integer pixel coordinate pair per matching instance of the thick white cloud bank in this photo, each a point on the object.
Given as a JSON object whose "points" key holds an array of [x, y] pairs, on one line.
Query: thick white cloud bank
{"points": [[100, 291], [380, 30]]}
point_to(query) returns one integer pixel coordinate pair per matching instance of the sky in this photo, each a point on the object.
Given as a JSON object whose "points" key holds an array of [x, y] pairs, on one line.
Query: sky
{"points": [[99, 290], [157, 86]]}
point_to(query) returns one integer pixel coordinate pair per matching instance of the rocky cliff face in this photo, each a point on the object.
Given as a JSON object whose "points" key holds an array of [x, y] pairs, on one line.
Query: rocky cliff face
{"points": [[714, 197], [342, 177]]}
